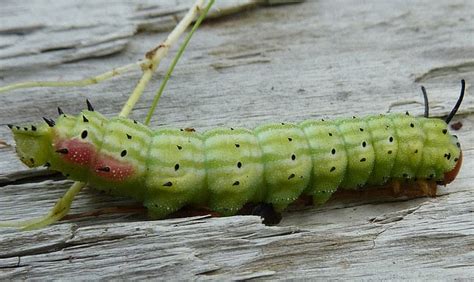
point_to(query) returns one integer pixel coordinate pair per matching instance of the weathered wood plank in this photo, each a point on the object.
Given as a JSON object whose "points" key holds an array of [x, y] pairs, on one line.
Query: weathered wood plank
{"points": [[287, 63]]}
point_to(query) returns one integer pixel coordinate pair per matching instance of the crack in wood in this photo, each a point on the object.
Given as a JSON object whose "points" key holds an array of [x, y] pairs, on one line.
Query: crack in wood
{"points": [[396, 216], [30, 176], [465, 67]]}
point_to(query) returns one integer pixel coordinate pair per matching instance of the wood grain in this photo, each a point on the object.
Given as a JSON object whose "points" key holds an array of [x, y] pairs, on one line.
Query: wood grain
{"points": [[317, 59]]}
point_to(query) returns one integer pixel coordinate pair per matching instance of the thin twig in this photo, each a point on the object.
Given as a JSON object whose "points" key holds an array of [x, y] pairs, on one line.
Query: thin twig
{"points": [[156, 54], [81, 82]]}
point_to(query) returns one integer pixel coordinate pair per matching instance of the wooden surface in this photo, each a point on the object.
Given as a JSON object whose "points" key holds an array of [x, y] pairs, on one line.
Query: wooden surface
{"points": [[317, 59]]}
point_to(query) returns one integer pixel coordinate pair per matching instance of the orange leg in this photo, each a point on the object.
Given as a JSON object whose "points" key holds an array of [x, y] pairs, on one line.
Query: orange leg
{"points": [[428, 187], [396, 188]]}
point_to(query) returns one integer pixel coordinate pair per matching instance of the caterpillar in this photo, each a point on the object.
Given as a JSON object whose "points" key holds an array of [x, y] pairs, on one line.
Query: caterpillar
{"points": [[225, 168]]}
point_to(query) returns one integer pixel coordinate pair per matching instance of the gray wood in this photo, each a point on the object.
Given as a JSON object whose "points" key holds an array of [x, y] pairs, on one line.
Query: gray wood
{"points": [[317, 59]]}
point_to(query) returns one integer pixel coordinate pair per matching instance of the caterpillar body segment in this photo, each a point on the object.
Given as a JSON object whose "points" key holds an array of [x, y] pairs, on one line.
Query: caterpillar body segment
{"points": [[225, 168], [176, 173], [234, 169], [287, 162]]}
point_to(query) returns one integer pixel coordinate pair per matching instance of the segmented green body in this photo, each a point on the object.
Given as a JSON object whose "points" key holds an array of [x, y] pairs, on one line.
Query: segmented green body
{"points": [[225, 168]]}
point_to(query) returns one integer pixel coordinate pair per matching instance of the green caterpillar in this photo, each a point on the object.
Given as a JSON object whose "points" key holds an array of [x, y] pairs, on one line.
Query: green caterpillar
{"points": [[225, 168]]}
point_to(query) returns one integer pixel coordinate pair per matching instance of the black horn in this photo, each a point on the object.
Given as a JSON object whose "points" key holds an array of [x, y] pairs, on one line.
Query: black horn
{"points": [[89, 106], [50, 122]]}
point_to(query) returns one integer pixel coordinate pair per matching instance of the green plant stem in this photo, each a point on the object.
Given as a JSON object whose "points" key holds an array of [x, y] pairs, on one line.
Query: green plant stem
{"points": [[175, 61]]}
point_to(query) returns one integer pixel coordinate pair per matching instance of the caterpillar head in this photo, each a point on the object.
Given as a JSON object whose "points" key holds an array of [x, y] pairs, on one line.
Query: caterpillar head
{"points": [[32, 143]]}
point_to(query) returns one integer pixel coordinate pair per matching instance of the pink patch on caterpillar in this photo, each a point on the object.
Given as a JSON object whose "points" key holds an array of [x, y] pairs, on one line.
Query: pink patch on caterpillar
{"points": [[82, 153], [75, 151], [113, 169]]}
